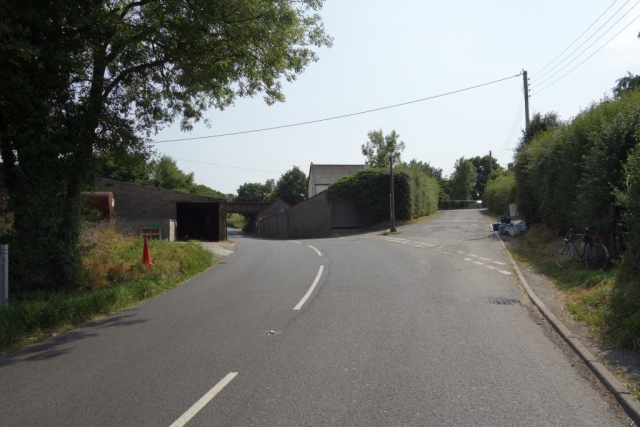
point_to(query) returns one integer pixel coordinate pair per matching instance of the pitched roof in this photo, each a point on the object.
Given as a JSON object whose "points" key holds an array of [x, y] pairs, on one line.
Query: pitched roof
{"points": [[328, 174]]}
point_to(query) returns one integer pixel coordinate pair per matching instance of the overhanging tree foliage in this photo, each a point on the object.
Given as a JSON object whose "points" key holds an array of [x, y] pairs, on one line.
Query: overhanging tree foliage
{"points": [[82, 78], [379, 147]]}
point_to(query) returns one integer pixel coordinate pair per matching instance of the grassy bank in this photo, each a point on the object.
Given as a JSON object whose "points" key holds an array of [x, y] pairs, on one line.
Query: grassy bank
{"points": [[235, 220], [587, 293], [114, 278]]}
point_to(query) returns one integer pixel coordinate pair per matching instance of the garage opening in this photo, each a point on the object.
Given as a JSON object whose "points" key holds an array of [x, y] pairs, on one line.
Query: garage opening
{"points": [[198, 221]]}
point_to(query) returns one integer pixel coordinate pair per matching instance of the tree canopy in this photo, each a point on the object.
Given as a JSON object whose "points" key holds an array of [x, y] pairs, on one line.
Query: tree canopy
{"points": [[484, 166], [292, 186], [463, 179], [82, 78], [379, 147]]}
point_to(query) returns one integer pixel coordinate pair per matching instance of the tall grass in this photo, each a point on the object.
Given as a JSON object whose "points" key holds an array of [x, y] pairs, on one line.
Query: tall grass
{"points": [[114, 278]]}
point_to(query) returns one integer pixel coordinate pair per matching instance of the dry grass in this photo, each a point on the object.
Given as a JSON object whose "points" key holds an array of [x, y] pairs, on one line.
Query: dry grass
{"points": [[114, 278]]}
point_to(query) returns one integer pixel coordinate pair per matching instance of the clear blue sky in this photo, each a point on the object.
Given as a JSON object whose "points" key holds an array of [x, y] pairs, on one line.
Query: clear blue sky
{"points": [[389, 52]]}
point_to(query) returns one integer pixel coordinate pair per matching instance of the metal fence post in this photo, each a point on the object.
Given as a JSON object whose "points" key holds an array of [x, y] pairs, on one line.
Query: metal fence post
{"points": [[4, 276]]}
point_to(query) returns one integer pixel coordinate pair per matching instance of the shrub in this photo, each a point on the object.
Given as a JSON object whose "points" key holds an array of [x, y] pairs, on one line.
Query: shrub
{"points": [[500, 192], [416, 193]]}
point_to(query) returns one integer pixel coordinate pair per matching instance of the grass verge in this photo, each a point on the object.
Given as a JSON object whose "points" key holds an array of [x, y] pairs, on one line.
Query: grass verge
{"points": [[114, 279], [587, 293]]}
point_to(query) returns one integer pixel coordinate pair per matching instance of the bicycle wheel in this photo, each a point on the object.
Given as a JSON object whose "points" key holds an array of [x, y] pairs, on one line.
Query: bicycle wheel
{"points": [[564, 253], [596, 256]]}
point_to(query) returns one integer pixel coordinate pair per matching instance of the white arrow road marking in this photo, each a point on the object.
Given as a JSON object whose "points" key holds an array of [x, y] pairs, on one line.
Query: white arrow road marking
{"points": [[203, 400]]}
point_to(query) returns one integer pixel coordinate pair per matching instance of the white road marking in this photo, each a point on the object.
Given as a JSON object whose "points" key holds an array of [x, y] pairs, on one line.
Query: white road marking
{"points": [[294, 241], [460, 252], [468, 259], [310, 291], [418, 246], [319, 253], [485, 259], [203, 400], [499, 263], [491, 267], [478, 262], [508, 273], [429, 244]]}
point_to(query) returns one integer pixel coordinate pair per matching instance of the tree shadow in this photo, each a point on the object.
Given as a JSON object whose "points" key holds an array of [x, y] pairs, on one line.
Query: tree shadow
{"points": [[61, 344]]}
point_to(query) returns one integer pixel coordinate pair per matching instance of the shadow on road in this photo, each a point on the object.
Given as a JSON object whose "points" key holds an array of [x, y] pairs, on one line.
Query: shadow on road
{"points": [[61, 344]]}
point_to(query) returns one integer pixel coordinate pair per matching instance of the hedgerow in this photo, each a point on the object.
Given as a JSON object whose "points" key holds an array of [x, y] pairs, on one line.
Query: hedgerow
{"points": [[416, 194]]}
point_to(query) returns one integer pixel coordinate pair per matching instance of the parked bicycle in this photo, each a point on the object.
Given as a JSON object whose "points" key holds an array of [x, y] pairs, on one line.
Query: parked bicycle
{"points": [[594, 253]]}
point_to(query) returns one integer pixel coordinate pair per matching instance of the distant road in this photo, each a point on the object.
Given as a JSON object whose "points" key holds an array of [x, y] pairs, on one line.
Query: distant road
{"points": [[423, 328]]}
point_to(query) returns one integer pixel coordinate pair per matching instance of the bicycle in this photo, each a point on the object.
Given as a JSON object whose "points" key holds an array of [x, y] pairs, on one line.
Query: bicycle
{"points": [[594, 253]]}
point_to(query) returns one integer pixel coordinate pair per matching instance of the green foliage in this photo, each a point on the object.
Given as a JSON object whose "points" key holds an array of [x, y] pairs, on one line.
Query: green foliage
{"points": [[115, 280], [568, 174], [370, 189], [416, 194], [83, 79], [379, 147], [501, 191], [235, 220], [203, 190], [537, 125], [484, 166], [626, 84], [463, 180], [167, 174], [292, 186]]}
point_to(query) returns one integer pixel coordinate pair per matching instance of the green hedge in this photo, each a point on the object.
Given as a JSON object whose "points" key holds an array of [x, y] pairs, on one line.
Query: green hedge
{"points": [[416, 194], [568, 175], [500, 192]]}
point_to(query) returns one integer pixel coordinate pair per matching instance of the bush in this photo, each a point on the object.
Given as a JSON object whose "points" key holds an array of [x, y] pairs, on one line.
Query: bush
{"points": [[416, 194], [566, 176], [500, 192]]}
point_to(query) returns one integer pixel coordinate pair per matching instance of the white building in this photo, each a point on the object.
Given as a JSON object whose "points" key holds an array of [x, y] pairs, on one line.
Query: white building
{"points": [[322, 176]]}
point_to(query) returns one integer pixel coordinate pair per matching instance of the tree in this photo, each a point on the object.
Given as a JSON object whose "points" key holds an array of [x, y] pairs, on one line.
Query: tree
{"points": [[426, 168], [203, 190], [538, 124], [84, 78], [379, 147], [484, 166], [292, 186], [167, 174], [463, 180], [625, 84]]}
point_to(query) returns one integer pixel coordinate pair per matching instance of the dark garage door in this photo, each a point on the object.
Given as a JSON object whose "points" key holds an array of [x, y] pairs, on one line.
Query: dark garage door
{"points": [[198, 221]]}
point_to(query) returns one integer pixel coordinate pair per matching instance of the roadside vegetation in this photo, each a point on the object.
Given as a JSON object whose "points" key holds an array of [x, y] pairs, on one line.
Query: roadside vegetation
{"points": [[235, 220], [112, 278], [579, 173]]}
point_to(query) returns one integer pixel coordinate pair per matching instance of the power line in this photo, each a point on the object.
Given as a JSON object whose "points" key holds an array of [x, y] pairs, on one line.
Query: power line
{"points": [[583, 43], [589, 47], [338, 117], [514, 124], [574, 42], [226, 166], [589, 57]]}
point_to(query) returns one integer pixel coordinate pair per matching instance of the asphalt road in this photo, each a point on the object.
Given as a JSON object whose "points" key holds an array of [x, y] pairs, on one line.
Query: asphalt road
{"points": [[402, 330]]}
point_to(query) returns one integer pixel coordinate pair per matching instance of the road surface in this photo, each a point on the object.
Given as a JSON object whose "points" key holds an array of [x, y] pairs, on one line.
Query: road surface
{"points": [[424, 328]]}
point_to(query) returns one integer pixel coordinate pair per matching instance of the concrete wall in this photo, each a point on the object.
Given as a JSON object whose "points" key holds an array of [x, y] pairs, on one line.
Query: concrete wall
{"points": [[311, 218]]}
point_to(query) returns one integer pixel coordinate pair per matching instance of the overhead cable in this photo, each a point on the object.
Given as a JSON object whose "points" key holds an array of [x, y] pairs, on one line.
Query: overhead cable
{"points": [[574, 42], [583, 43], [586, 59], [337, 117]]}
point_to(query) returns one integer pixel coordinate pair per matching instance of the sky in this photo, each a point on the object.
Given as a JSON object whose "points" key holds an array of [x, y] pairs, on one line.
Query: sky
{"points": [[391, 52]]}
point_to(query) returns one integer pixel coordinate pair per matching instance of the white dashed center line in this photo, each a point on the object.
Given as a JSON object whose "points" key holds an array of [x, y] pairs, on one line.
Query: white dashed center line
{"points": [[204, 400], [478, 262], [319, 253]]}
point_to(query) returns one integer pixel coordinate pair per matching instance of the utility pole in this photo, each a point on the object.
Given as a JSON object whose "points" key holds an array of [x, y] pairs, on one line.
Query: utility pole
{"points": [[525, 80], [392, 198]]}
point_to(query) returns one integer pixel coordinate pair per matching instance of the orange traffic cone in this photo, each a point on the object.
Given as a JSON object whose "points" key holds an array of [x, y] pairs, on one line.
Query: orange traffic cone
{"points": [[146, 255]]}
